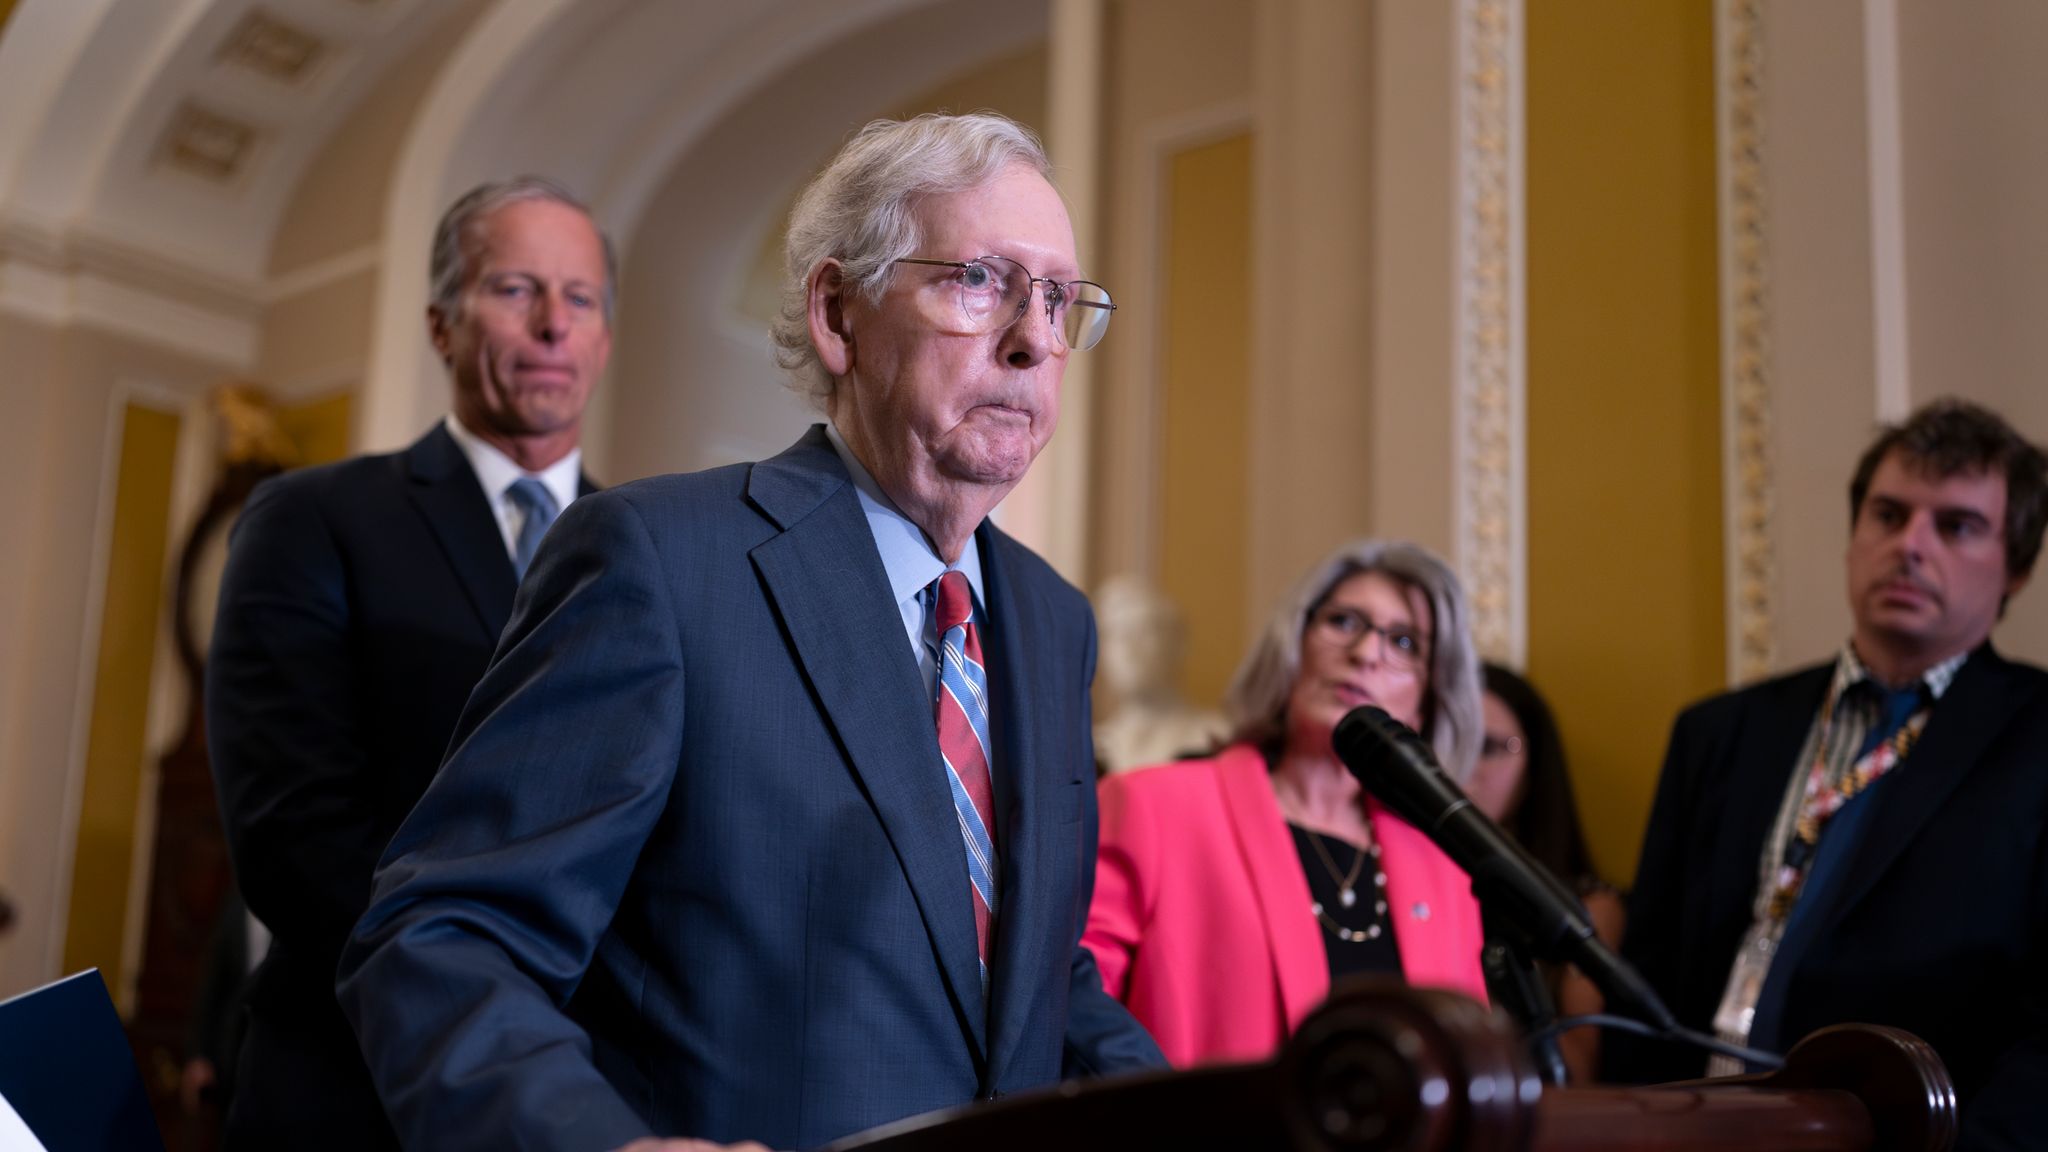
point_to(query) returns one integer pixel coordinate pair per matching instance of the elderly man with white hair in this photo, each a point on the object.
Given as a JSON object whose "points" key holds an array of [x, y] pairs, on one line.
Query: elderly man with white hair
{"points": [[774, 817]]}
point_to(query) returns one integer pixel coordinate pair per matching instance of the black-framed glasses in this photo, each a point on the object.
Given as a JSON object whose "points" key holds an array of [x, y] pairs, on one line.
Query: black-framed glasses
{"points": [[1402, 646], [994, 291]]}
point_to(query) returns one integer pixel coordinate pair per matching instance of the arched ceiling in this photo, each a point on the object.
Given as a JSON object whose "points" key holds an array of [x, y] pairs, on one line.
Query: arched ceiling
{"points": [[610, 96], [176, 130], [159, 143]]}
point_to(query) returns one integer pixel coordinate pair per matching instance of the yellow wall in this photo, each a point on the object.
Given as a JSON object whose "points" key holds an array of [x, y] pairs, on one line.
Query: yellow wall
{"points": [[1624, 475], [1205, 371], [132, 609], [320, 428]]}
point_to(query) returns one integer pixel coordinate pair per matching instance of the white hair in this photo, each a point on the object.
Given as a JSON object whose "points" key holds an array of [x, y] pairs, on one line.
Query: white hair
{"points": [[862, 211]]}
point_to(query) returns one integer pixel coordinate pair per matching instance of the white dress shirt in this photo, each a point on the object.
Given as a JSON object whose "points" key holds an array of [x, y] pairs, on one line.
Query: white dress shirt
{"points": [[496, 472]]}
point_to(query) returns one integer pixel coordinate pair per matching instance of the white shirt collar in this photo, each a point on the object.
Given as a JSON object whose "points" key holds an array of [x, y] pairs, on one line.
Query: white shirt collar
{"points": [[1849, 669], [496, 471]]}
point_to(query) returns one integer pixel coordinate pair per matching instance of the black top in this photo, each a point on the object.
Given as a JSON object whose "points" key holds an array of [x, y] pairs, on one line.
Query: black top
{"points": [[1366, 952]]}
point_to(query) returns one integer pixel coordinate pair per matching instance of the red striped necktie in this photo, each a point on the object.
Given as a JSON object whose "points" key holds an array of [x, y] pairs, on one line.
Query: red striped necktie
{"points": [[962, 711]]}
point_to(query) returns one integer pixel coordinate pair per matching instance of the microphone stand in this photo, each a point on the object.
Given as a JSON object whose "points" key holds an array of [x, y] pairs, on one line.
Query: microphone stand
{"points": [[1516, 984], [1532, 913]]}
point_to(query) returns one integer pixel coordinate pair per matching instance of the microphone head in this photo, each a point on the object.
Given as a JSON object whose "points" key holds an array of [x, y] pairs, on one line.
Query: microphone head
{"points": [[1367, 723], [1395, 764]]}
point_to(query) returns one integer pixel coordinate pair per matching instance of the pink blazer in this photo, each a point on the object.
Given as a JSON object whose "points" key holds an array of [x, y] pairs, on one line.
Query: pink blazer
{"points": [[1201, 921]]}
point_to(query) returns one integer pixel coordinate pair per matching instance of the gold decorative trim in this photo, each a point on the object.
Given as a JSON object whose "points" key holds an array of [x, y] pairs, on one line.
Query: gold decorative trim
{"points": [[272, 47], [209, 144], [1489, 320], [1753, 566]]}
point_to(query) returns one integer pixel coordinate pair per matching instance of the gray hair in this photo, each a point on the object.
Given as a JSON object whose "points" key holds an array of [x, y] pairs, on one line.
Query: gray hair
{"points": [[1451, 717], [862, 211], [448, 272]]}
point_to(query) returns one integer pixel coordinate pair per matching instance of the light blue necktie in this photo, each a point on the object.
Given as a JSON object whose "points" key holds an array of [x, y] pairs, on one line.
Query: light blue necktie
{"points": [[537, 510]]}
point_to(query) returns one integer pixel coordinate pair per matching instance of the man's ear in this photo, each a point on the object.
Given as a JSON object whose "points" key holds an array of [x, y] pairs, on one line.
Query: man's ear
{"points": [[438, 331], [831, 335]]}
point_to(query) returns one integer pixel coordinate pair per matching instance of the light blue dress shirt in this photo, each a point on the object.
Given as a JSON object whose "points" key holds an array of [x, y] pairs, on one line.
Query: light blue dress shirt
{"points": [[911, 563]]}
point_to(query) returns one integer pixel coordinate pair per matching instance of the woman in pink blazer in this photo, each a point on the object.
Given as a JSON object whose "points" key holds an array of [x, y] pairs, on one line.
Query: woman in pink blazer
{"points": [[1230, 890]]}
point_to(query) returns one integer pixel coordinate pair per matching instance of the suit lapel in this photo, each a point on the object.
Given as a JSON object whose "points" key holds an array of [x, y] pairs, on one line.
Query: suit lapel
{"points": [[1025, 682], [1970, 715], [445, 489], [1299, 962], [827, 583]]}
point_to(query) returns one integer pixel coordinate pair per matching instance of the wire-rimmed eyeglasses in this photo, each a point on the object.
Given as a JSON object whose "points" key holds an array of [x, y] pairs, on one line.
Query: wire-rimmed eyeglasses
{"points": [[1401, 646], [995, 290]]}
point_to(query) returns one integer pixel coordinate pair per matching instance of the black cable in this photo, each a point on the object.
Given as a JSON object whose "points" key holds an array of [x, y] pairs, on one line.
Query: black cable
{"points": [[1714, 1044]]}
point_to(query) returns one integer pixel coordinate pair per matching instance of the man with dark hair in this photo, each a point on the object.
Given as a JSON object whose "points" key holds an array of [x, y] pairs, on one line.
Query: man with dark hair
{"points": [[1867, 840], [360, 604]]}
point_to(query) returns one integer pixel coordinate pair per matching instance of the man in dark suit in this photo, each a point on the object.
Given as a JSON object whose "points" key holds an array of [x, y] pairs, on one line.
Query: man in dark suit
{"points": [[1867, 840], [360, 604], [773, 818]]}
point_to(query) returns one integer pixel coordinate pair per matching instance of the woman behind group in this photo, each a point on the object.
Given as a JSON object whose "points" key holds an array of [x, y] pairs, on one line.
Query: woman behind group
{"points": [[1522, 783], [1230, 890]]}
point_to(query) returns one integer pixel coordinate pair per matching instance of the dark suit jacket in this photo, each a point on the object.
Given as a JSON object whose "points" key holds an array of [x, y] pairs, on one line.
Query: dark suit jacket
{"points": [[1941, 925], [692, 866], [360, 604]]}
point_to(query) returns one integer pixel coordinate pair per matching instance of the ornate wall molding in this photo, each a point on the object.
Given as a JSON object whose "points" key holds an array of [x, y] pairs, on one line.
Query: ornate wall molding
{"points": [[1746, 384], [1489, 360]]}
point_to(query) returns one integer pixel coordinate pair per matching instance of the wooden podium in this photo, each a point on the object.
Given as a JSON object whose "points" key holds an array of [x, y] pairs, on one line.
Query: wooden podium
{"points": [[1382, 1066]]}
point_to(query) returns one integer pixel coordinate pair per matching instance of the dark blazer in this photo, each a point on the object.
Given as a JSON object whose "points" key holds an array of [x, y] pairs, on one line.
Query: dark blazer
{"points": [[1941, 925], [692, 867], [360, 603]]}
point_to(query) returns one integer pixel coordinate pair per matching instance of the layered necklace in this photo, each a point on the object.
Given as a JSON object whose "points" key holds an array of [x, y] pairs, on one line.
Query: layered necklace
{"points": [[1347, 890]]}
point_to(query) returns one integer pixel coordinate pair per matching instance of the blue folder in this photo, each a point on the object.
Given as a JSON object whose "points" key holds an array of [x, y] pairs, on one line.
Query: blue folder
{"points": [[66, 1069]]}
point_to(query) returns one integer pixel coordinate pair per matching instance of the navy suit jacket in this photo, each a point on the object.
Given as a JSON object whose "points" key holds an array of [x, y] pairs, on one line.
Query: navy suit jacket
{"points": [[692, 867], [360, 603], [1940, 923]]}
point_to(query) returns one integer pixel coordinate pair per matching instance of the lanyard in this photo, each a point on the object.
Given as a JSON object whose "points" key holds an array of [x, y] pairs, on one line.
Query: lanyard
{"points": [[1822, 799]]}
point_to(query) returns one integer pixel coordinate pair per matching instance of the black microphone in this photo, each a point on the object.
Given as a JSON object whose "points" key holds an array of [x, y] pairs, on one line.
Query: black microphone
{"points": [[1398, 767]]}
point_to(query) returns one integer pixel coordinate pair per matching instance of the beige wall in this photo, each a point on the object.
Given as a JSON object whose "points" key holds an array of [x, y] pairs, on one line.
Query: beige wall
{"points": [[694, 381], [1971, 173], [338, 206], [62, 388], [31, 752], [1313, 428], [316, 337], [1975, 151], [1412, 335], [1349, 424], [316, 341], [1823, 337]]}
